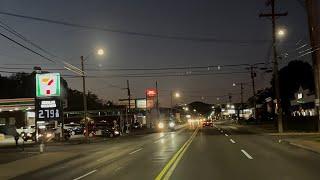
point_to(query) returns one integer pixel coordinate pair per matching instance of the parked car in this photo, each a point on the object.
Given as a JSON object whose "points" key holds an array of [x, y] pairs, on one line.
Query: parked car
{"points": [[110, 132], [107, 129], [137, 125], [74, 128]]}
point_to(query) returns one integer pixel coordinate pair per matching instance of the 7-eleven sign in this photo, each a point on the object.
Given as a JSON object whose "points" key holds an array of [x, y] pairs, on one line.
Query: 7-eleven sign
{"points": [[48, 84]]}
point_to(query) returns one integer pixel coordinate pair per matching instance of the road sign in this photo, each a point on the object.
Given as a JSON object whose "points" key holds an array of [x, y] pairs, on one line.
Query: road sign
{"points": [[48, 84], [48, 109]]}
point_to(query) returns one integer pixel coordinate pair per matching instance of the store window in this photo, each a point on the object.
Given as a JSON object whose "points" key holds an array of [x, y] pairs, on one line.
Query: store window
{"points": [[12, 121], [2, 121]]}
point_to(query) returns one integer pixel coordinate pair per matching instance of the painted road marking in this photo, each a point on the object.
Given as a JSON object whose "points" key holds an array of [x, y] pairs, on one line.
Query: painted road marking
{"points": [[247, 154], [157, 141], [85, 175], [232, 141], [226, 135], [221, 131], [171, 165], [136, 151]]}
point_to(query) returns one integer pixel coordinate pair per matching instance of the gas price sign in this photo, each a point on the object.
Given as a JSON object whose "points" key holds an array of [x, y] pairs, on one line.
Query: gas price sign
{"points": [[48, 109]]}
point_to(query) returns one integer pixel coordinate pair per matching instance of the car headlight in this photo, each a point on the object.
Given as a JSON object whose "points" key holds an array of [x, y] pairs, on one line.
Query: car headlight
{"points": [[116, 132], [48, 135], [171, 124], [160, 125]]}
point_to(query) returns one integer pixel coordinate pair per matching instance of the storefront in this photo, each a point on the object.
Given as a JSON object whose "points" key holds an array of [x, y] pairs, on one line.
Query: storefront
{"points": [[17, 112], [303, 104]]}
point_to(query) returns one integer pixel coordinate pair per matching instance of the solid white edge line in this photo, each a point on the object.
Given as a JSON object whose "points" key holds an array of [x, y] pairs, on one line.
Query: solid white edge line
{"points": [[135, 151], [247, 154], [226, 135], [232, 141], [85, 175]]}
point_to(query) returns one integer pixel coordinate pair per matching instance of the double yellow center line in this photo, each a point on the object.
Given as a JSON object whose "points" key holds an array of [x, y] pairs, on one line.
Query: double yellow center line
{"points": [[171, 165]]}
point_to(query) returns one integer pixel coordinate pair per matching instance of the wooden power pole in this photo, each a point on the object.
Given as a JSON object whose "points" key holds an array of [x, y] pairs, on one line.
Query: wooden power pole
{"points": [[273, 16]]}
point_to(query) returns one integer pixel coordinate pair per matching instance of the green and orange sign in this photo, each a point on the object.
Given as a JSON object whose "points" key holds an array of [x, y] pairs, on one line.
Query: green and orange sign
{"points": [[48, 85]]}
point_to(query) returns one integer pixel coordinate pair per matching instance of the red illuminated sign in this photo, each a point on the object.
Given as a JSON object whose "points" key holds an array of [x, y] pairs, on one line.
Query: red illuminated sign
{"points": [[151, 92]]}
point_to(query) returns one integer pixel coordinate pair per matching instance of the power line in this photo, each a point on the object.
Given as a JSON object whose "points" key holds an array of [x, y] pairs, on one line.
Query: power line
{"points": [[208, 68], [152, 35], [64, 62], [25, 47], [16, 33], [164, 75]]}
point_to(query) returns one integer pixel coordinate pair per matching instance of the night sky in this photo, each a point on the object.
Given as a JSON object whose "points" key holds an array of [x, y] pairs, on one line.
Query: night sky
{"points": [[241, 37]]}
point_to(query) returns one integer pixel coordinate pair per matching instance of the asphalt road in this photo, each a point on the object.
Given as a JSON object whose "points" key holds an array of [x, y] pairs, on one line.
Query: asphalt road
{"points": [[220, 152]]}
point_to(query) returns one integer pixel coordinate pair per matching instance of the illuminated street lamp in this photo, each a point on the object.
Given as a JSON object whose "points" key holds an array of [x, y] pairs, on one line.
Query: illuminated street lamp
{"points": [[281, 32], [172, 95], [99, 52]]}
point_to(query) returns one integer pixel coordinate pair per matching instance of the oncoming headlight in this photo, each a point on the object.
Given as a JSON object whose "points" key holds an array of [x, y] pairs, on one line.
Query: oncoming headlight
{"points": [[49, 135], [160, 125], [171, 124]]}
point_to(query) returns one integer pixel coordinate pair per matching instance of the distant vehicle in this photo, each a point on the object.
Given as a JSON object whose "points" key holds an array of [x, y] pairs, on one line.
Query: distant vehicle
{"points": [[160, 126], [207, 123], [28, 136], [137, 125], [110, 132], [74, 128], [166, 125], [172, 126], [11, 131], [107, 129]]}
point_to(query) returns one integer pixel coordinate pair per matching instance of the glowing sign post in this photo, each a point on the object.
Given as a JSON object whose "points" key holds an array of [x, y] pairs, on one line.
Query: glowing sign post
{"points": [[48, 85], [48, 108], [151, 92]]}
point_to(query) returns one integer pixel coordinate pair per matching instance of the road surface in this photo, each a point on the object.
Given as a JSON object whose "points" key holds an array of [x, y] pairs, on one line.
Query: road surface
{"points": [[220, 152]]}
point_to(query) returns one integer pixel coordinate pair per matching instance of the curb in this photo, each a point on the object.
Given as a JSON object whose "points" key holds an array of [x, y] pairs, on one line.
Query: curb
{"points": [[301, 146]]}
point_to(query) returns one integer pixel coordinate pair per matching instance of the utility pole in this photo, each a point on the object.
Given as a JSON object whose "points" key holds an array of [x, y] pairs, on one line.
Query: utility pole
{"points": [[273, 16], [230, 98], [314, 31], [129, 99], [157, 104], [241, 94], [85, 108], [253, 75], [129, 95], [171, 104]]}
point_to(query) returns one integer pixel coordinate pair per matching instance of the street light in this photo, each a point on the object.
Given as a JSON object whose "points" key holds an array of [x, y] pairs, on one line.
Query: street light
{"points": [[100, 52], [85, 108], [281, 32], [176, 95]]}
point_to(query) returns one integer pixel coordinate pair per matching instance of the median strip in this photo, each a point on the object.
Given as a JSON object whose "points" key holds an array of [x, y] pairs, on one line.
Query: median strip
{"points": [[171, 165], [246, 154]]}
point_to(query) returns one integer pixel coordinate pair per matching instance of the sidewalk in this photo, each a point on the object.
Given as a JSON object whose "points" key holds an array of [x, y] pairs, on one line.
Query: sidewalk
{"points": [[309, 143]]}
